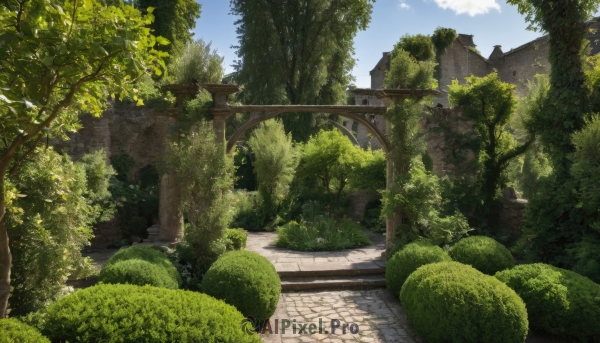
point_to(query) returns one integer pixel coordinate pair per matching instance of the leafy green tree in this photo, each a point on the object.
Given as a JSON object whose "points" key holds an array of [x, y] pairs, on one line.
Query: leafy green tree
{"points": [[275, 160], [52, 69], [556, 217], [491, 104], [297, 52], [442, 39], [198, 64], [204, 174], [330, 157], [412, 63], [53, 204], [370, 174]]}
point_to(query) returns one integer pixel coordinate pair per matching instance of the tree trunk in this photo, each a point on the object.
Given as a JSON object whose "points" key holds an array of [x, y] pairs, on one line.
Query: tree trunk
{"points": [[5, 258]]}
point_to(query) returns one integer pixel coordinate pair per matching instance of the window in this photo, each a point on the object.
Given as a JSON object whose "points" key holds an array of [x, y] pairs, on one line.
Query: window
{"points": [[365, 102]]}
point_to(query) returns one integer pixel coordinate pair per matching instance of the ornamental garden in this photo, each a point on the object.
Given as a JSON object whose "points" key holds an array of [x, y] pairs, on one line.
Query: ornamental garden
{"points": [[258, 196]]}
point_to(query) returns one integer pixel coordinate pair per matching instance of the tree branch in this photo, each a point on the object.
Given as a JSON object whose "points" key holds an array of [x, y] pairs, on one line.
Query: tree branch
{"points": [[13, 170]]}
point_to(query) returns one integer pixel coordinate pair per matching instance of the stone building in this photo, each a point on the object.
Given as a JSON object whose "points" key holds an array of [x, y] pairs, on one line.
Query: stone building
{"points": [[516, 66]]}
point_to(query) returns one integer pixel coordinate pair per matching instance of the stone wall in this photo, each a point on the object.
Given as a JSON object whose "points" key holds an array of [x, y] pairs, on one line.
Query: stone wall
{"points": [[141, 132], [442, 123], [458, 62]]}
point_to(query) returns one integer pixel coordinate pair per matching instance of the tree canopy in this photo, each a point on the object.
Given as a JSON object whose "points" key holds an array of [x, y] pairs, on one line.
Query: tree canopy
{"points": [[58, 58], [297, 52]]}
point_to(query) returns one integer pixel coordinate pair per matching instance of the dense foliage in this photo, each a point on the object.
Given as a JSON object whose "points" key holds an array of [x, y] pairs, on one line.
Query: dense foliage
{"points": [[245, 280], [331, 158], [287, 56], [13, 331], [174, 20], [482, 253], [404, 262], [125, 313], [137, 272], [148, 254], [452, 302], [236, 239], [559, 302], [136, 200], [321, 233], [198, 64], [52, 69], [563, 232], [52, 206], [275, 162], [490, 104], [205, 176]]}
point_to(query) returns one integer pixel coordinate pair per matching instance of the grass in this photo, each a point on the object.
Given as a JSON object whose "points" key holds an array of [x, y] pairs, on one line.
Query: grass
{"points": [[321, 233]]}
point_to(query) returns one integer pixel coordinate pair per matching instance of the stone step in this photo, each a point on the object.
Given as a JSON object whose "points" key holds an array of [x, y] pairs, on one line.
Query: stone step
{"points": [[332, 283], [301, 270]]}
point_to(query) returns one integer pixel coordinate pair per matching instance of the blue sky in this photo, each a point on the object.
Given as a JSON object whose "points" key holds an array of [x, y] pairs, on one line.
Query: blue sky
{"points": [[492, 22]]}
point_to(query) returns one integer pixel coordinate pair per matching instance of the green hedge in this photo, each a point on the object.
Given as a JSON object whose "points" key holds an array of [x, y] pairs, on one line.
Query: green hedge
{"points": [[560, 302], [482, 253], [236, 239], [245, 280], [128, 314], [407, 260], [137, 272], [13, 331], [149, 254], [452, 302]]}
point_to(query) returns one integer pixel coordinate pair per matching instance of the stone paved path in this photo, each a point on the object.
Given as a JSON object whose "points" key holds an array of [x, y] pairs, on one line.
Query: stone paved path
{"points": [[377, 314]]}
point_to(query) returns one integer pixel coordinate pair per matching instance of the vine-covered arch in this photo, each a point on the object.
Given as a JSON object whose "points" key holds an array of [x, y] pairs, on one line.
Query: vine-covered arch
{"points": [[362, 114]]}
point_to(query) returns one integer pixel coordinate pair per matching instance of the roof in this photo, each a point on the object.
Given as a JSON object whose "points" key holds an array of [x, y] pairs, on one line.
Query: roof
{"points": [[383, 62]]}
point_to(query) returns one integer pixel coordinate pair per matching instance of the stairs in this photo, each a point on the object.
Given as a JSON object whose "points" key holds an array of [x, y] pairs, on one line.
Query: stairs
{"points": [[333, 276]]}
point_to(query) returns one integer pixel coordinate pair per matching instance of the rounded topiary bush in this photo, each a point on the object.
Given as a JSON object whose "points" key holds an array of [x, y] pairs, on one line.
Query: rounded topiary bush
{"points": [[13, 331], [236, 239], [407, 260], [482, 253], [245, 280], [559, 302], [148, 254], [137, 272], [125, 313], [453, 302]]}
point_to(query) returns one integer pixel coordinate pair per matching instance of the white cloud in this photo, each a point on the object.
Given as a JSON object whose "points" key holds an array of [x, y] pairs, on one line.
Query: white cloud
{"points": [[403, 5], [471, 7]]}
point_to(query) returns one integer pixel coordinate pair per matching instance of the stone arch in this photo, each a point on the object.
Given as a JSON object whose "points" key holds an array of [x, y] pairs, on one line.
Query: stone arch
{"points": [[258, 117]]}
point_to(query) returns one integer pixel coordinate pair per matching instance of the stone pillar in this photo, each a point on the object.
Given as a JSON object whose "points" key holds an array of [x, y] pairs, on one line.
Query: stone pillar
{"points": [[221, 110], [391, 220], [171, 220]]}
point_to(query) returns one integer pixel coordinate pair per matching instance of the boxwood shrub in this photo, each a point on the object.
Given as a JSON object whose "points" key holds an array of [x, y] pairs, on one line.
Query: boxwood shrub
{"points": [[137, 272], [559, 302], [245, 280], [407, 260], [149, 254], [126, 313], [482, 253], [13, 331], [236, 239], [453, 302]]}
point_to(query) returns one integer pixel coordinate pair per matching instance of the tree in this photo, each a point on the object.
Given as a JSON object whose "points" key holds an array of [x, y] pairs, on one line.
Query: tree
{"points": [[412, 63], [204, 174], [491, 104], [275, 160], [197, 63], [59, 58], [330, 157], [297, 52], [53, 205], [554, 216]]}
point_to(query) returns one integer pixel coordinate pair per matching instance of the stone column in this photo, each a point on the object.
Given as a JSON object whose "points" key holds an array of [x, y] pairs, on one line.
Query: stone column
{"points": [[171, 220], [221, 110]]}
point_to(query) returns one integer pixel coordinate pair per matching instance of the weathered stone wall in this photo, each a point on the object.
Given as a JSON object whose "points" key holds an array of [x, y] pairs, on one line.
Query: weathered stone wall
{"points": [[378, 73], [443, 123], [458, 62], [357, 201], [139, 131]]}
